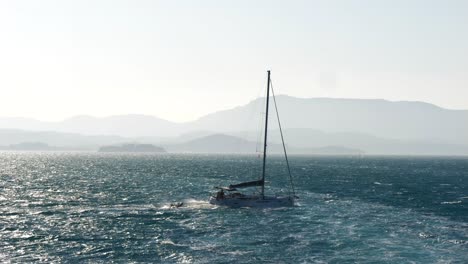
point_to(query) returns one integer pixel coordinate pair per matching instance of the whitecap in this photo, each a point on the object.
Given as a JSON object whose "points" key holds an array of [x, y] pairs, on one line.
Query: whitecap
{"points": [[236, 252], [451, 202], [167, 242]]}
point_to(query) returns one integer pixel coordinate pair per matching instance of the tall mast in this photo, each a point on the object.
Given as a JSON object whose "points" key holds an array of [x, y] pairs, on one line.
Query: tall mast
{"points": [[265, 139]]}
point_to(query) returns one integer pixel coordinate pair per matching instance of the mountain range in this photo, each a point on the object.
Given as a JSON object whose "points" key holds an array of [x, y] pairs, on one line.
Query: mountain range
{"points": [[374, 126]]}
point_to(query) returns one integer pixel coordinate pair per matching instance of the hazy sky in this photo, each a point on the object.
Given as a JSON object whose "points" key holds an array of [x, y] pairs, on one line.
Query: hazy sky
{"points": [[179, 60]]}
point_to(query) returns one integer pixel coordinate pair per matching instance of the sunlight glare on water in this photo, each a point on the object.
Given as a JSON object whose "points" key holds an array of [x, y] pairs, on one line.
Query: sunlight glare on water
{"points": [[89, 207]]}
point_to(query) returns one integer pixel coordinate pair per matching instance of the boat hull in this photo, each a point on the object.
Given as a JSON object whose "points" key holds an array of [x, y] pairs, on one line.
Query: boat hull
{"points": [[254, 201]]}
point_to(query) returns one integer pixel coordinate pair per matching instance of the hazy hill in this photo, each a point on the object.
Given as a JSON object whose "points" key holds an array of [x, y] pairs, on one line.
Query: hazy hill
{"points": [[67, 140], [374, 126], [23, 124], [29, 146], [379, 118], [220, 143], [131, 147], [217, 143], [121, 125], [328, 150], [298, 141], [311, 138]]}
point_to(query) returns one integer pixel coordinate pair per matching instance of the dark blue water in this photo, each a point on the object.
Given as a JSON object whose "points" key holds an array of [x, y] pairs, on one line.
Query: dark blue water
{"points": [[95, 208]]}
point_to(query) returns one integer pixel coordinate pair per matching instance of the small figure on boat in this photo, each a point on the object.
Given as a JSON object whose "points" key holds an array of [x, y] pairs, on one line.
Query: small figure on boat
{"points": [[177, 204], [220, 195]]}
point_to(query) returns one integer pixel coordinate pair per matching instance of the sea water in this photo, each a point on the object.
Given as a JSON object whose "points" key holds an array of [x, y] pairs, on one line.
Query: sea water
{"points": [[100, 208]]}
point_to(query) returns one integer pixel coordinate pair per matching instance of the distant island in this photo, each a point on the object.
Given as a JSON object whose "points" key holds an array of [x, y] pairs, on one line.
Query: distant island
{"points": [[146, 148]]}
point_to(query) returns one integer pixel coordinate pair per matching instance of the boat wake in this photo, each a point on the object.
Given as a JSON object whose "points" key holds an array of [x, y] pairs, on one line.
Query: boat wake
{"points": [[197, 204], [188, 203]]}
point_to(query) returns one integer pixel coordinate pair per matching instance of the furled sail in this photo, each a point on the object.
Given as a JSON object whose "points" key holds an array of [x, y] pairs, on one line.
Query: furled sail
{"points": [[246, 184]]}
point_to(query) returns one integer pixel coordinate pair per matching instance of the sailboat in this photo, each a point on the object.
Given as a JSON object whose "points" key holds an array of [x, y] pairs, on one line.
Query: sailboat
{"points": [[231, 196]]}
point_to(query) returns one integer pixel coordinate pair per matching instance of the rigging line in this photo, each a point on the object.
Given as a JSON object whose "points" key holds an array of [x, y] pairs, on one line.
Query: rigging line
{"points": [[257, 109], [253, 108], [282, 139], [259, 134]]}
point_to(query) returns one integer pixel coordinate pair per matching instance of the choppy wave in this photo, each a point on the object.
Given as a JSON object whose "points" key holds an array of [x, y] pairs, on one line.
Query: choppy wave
{"points": [[101, 208]]}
